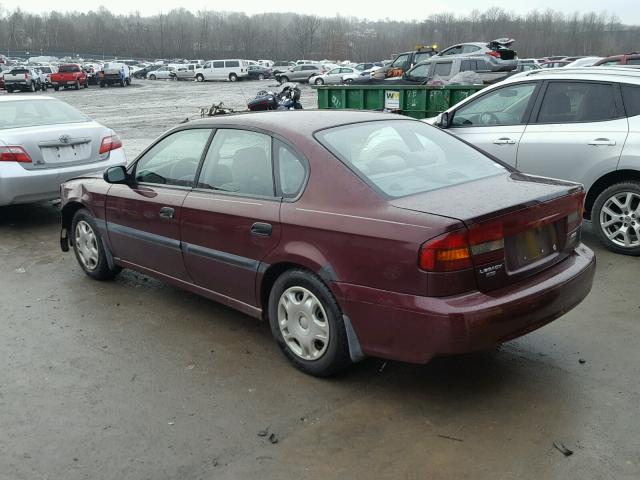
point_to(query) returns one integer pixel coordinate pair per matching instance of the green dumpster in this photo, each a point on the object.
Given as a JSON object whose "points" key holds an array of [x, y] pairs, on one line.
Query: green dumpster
{"points": [[417, 101]]}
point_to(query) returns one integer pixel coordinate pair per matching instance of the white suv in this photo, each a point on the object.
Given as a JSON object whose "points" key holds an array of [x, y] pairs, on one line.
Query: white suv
{"points": [[231, 69], [578, 124]]}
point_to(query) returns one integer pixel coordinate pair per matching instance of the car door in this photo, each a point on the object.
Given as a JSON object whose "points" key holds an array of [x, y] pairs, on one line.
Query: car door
{"points": [[576, 132], [496, 120], [230, 221], [143, 217], [219, 70], [334, 76]]}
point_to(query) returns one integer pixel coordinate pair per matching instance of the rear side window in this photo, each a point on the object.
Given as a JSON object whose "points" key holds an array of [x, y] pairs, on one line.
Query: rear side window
{"points": [[309, 67], [403, 157], [631, 98], [633, 61], [419, 57], [239, 161], [569, 102], [442, 69], [470, 48], [232, 64]]}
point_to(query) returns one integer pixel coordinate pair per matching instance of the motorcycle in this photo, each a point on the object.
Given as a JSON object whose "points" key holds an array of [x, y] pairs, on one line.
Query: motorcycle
{"points": [[287, 99]]}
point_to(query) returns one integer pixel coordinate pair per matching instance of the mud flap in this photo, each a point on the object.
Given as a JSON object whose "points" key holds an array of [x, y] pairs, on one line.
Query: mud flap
{"points": [[355, 352], [64, 240]]}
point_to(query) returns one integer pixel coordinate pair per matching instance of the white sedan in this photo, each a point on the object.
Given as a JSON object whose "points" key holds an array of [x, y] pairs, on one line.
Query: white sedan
{"points": [[332, 77]]}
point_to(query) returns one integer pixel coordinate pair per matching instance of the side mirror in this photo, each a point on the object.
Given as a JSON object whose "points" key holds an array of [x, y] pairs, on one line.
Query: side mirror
{"points": [[117, 174], [442, 120]]}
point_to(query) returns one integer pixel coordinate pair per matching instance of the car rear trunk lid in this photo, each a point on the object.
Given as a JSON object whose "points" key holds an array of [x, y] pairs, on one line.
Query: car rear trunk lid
{"points": [[516, 225]]}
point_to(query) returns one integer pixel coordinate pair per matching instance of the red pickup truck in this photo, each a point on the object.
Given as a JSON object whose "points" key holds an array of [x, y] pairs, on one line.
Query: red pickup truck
{"points": [[70, 75]]}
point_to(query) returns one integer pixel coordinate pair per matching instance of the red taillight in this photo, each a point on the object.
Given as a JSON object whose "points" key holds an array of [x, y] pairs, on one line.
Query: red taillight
{"points": [[14, 154], [446, 253], [110, 143], [493, 53]]}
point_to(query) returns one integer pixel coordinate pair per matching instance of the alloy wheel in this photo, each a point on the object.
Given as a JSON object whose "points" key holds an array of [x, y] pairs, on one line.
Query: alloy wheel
{"points": [[87, 245], [620, 219], [303, 323]]}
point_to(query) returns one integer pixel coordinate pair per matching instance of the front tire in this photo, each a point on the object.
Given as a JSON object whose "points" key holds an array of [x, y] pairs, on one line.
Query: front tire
{"points": [[88, 247], [152, 77], [283, 80], [307, 323], [616, 218], [319, 82], [260, 76], [199, 78]]}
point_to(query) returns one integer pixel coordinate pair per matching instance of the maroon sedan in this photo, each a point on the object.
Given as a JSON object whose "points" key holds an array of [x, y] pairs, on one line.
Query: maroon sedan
{"points": [[352, 233]]}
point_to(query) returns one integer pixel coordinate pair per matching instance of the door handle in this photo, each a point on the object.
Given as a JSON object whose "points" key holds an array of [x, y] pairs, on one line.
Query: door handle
{"points": [[602, 141], [504, 141], [261, 229], [167, 212]]}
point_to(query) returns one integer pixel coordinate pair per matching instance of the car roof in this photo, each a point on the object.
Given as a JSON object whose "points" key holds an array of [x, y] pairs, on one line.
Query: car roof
{"points": [[611, 74], [296, 122]]}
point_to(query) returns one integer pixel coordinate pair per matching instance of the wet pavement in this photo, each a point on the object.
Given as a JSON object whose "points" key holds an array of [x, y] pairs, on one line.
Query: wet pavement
{"points": [[136, 379]]}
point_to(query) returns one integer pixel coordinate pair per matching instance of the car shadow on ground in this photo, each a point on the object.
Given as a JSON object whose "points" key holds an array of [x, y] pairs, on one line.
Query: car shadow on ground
{"points": [[31, 215]]}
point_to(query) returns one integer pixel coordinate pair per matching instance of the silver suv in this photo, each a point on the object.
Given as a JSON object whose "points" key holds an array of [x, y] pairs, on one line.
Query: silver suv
{"points": [[578, 124]]}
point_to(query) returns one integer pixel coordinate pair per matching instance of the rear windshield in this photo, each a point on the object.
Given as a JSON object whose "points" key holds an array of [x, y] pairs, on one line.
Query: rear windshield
{"points": [[34, 113], [18, 71], [69, 68], [403, 157]]}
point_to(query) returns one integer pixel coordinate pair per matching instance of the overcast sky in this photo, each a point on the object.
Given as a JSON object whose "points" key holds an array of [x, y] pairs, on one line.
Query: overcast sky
{"points": [[627, 10]]}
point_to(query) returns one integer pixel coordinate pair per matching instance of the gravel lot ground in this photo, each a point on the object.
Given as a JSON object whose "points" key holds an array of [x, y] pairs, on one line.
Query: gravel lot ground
{"points": [[134, 379]]}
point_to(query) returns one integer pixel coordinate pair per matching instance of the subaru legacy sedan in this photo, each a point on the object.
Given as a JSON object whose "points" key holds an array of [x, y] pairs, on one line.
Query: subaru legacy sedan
{"points": [[44, 142], [352, 233]]}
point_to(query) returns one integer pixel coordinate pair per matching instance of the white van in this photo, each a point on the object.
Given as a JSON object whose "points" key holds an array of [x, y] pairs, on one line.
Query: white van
{"points": [[231, 69]]}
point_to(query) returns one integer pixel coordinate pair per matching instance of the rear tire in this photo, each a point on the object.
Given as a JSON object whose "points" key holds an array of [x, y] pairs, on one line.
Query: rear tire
{"points": [[283, 80], [318, 315], [88, 247], [617, 209], [260, 76], [233, 77], [56, 88], [152, 77]]}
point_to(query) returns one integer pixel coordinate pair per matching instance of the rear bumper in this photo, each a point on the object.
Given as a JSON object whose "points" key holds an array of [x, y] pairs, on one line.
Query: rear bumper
{"points": [[415, 329], [18, 185]]}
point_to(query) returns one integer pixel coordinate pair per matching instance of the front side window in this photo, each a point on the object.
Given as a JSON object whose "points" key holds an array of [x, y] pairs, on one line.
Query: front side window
{"points": [[570, 102], [504, 106], [400, 61], [334, 71], [419, 71], [208, 65], [452, 51], [404, 157], [174, 159], [442, 69], [238, 161], [218, 64]]}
